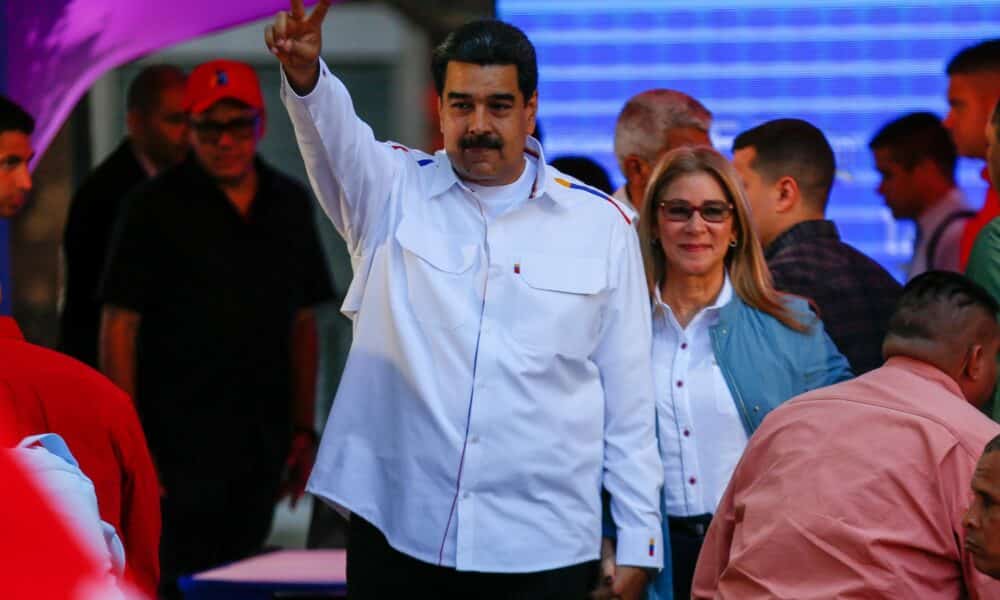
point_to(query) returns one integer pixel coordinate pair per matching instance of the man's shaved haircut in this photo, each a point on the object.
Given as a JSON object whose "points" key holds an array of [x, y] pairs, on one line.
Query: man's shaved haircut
{"points": [[983, 57], [15, 118], [646, 118], [915, 137], [144, 92], [936, 306], [796, 149]]}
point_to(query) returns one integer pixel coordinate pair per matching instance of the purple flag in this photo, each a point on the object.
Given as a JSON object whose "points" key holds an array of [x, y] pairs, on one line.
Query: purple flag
{"points": [[57, 49]]}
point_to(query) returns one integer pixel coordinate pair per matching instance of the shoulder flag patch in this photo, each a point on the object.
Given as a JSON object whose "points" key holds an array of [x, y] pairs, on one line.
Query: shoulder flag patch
{"points": [[595, 192], [423, 162], [398, 147]]}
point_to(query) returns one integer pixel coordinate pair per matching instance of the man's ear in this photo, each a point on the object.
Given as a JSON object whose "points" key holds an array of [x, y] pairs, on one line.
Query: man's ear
{"points": [[787, 194], [133, 122], [975, 366], [635, 167], [531, 108]]}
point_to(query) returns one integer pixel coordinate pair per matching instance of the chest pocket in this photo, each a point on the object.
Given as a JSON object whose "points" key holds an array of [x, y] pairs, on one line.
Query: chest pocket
{"points": [[439, 282], [560, 303]]}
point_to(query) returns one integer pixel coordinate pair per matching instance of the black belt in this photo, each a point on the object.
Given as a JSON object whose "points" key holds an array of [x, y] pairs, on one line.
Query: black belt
{"points": [[695, 526]]}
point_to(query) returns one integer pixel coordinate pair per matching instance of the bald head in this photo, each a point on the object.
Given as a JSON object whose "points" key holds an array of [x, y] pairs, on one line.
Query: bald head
{"points": [[650, 125], [947, 320], [157, 120]]}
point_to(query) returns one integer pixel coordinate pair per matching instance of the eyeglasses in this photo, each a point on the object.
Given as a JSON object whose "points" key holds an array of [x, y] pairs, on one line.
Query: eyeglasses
{"points": [[680, 211], [210, 132]]}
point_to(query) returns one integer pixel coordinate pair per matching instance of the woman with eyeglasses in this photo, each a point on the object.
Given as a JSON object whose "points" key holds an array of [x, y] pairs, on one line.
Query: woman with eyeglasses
{"points": [[727, 347]]}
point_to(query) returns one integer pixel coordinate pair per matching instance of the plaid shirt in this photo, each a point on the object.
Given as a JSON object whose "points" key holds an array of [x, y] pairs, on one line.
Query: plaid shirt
{"points": [[854, 295]]}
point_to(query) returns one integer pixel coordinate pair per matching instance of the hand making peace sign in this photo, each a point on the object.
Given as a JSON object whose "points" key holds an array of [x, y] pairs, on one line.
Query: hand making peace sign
{"points": [[296, 39]]}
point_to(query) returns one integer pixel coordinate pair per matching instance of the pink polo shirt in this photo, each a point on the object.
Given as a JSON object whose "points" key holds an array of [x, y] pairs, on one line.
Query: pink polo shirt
{"points": [[853, 490]]}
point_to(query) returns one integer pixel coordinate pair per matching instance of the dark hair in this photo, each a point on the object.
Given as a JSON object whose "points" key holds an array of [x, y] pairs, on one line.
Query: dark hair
{"points": [[795, 148], [488, 42], [932, 295], [15, 118], [586, 170], [984, 56], [144, 92], [914, 137], [992, 446]]}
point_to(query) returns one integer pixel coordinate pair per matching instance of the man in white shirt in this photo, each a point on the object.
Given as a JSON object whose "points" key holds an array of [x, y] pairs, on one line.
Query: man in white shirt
{"points": [[651, 124], [500, 372], [915, 157]]}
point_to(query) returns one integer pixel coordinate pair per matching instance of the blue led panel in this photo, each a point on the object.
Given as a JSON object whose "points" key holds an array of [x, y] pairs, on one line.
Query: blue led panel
{"points": [[847, 67]]}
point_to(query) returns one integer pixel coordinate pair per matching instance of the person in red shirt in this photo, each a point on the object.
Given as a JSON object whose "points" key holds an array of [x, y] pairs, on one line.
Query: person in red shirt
{"points": [[973, 90], [42, 391]]}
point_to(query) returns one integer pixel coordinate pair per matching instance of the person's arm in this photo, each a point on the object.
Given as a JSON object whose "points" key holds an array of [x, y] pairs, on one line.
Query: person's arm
{"points": [[302, 453], [827, 365], [350, 171], [633, 473], [119, 328], [140, 503]]}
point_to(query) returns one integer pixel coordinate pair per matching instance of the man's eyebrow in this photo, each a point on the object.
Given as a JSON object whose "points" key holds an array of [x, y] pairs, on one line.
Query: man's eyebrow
{"points": [[459, 95], [508, 97]]}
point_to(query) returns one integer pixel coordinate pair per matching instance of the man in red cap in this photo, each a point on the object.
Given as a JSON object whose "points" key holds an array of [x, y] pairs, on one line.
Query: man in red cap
{"points": [[207, 322]]}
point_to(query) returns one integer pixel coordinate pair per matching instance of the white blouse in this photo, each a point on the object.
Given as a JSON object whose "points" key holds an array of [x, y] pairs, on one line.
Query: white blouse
{"points": [[700, 431]]}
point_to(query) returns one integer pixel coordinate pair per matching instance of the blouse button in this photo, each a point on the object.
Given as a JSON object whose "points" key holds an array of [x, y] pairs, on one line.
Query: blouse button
{"points": [[687, 433], [684, 346], [680, 384], [692, 481]]}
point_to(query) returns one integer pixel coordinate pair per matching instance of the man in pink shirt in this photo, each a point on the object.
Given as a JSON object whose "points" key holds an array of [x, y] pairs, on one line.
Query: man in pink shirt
{"points": [[858, 489]]}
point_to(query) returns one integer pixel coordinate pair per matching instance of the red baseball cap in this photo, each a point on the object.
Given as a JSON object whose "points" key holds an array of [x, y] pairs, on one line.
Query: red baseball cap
{"points": [[221, 80]]}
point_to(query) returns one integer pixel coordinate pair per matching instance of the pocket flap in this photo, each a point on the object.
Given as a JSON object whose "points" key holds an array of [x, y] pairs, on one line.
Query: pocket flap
{"points": [[564, 273], [446, 253]]}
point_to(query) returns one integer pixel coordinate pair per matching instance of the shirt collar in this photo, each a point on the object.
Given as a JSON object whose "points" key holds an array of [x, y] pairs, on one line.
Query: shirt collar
{"points": [[445, 175], [9, 329], [147, 165], [949, 203], [927, 371], [806, 230], [724, 297]]}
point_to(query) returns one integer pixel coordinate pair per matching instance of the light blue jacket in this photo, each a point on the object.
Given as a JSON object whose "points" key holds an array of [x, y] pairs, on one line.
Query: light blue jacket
{"points": [[764, 364]]}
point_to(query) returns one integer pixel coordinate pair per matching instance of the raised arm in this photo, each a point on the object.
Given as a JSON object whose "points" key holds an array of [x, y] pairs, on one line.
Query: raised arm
{"points": [[350, 171]]}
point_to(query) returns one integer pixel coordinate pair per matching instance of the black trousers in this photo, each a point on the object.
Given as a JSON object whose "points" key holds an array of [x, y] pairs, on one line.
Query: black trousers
{"points": [[210, 522], [687, 534], [375, 570]]}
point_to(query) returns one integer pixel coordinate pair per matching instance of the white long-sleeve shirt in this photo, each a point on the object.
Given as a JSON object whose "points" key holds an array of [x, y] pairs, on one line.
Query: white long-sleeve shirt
{"points": [[500, 369]]}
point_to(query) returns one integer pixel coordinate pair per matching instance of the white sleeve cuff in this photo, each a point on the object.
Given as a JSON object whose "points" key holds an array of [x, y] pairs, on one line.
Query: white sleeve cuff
{"points": [[640, 548]]}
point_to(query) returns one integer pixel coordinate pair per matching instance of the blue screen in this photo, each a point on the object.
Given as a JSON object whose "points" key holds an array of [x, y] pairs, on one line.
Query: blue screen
{"points": [[847, 67]]}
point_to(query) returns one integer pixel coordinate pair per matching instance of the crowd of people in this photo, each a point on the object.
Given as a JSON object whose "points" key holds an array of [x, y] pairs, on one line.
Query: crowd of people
{"points": [[689, 387]]}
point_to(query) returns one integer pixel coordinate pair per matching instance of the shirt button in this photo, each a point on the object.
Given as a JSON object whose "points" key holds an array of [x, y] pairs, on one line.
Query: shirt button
{"points": [[486, 328], [474, 439], [680, 384], [684, 346], [495, 270], [465, 496], [687, 433], [692, 481]]}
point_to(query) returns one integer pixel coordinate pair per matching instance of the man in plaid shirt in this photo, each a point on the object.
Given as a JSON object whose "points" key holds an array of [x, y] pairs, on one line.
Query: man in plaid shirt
{"points": [[787, 167]]}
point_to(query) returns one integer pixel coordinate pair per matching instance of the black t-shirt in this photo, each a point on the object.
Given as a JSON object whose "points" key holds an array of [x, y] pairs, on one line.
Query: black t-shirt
{"points": [[217, 294]]}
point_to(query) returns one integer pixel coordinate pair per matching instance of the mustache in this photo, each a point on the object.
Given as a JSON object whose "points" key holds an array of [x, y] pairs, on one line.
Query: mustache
{"points": [[483, 140]]}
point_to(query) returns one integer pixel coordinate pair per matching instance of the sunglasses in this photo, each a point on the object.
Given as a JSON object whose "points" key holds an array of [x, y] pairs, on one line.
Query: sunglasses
{"points": [[210, 132], [680, 211]]}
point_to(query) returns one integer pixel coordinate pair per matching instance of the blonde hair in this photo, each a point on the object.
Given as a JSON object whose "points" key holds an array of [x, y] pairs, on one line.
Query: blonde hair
{"points": [[748, 272]]}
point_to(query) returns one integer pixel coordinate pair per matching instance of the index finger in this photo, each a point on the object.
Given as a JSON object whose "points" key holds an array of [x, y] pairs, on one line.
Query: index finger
{"points": [[318, 13], [298, 9]]}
